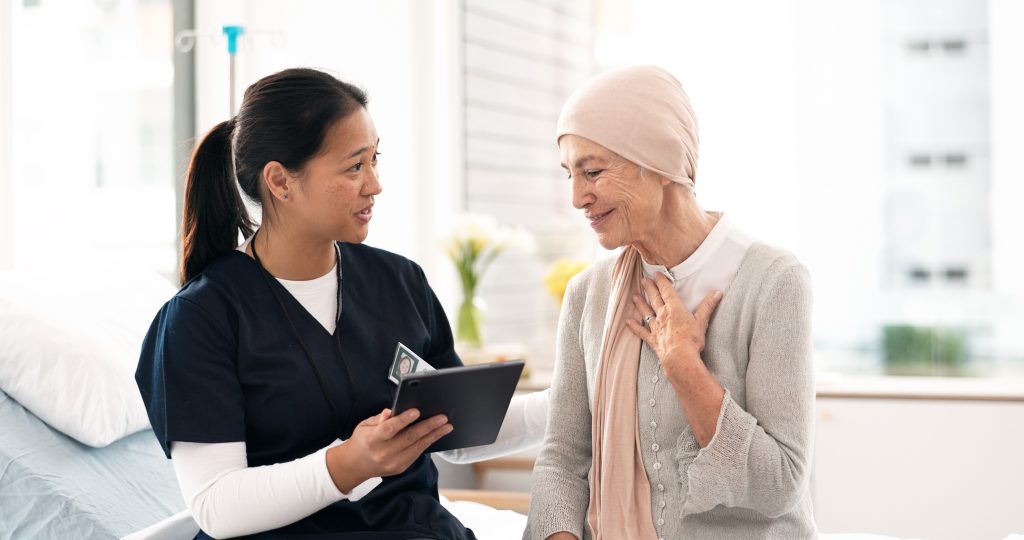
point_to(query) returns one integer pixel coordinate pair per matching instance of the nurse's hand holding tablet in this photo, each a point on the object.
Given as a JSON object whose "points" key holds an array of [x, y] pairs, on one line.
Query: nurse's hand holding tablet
{"points": [[384, 445]]}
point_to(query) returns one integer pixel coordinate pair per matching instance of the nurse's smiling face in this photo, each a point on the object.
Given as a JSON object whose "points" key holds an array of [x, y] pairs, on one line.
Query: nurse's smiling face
{"points": [[334, 193]]}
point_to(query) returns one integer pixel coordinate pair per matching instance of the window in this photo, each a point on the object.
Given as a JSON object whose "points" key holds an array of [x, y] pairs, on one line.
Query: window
{"points": [[877, 141], [91, 125], [522, 60]]}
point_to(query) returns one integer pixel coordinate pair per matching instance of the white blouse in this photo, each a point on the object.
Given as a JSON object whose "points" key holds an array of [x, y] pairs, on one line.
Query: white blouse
{"points": [[711, 267]]}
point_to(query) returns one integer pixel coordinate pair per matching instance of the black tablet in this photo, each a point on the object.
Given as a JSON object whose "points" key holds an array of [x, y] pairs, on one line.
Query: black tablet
{"points": [[475, 399]]}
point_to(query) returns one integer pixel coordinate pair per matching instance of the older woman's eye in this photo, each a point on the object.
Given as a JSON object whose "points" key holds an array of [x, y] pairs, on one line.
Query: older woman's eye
{"points": [[594, 173]]}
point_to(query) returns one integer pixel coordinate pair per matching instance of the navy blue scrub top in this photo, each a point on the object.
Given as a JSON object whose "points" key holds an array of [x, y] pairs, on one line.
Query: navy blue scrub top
{"points": [[221, 364]]}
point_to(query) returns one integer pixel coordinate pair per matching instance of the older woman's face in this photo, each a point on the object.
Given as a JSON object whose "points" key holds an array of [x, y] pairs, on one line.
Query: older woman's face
{"points": [[622, 206]]}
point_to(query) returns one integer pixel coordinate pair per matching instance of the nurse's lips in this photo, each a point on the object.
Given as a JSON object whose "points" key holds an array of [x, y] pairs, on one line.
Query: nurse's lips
{"points": [[365, 214]]}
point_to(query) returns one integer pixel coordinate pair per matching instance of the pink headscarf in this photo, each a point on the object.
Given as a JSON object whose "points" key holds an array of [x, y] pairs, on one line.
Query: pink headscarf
{"points": [[642, 114]]}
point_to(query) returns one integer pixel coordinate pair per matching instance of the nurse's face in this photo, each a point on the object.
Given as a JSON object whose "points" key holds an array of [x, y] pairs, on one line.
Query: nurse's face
{"points": [[338, 185]]}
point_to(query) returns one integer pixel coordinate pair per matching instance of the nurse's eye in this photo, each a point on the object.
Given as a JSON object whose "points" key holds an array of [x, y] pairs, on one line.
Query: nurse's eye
{"points": [[375, 155], [356, 168]]}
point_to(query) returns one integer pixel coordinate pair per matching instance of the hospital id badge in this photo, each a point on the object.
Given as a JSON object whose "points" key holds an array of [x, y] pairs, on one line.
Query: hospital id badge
{"points": [[406, 362]]}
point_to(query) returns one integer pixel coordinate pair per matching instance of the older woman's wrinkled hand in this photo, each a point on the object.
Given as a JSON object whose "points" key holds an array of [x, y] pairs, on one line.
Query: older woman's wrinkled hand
{"points": [[672, 331]]}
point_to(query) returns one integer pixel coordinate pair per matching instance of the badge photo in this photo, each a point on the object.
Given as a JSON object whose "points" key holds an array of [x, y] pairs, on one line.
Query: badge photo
{"points": [[404, 363]]}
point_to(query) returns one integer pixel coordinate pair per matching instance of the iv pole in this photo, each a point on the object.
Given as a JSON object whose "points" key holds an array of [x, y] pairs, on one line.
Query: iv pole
{"points": [[232, 32], [185, 41]]}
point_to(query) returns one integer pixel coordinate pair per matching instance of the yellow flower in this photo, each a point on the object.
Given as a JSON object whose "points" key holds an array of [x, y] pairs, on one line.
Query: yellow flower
{"points": [[480, 243], [559, 274]]}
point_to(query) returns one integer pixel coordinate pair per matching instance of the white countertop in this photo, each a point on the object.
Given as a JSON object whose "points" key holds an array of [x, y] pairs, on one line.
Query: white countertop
{"points": [[883, 387]]}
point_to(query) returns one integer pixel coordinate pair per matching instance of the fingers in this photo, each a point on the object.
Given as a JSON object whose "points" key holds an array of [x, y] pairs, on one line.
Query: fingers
{"points": [[641, 332], [419, 430], [652, 293], [415, 440], [376, 419], [664, 285], [431, 436], [395, 424], [439, 428], [707, 307], [641, 306]]}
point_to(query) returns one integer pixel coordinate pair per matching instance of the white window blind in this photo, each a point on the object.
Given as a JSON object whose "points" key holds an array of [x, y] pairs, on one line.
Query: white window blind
{"points": [[522, 59]]}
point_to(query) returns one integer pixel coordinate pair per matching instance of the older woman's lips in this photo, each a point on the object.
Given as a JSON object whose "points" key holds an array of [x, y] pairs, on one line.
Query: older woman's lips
{"points": [[597, 219]]}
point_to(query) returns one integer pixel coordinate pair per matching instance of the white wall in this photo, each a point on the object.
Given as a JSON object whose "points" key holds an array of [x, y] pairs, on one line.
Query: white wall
{"points": [[6, 180], [403, 53], [924, 469], [940, 470]]}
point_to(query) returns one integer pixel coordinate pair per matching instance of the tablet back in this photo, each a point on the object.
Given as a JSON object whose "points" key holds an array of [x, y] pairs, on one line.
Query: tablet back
{"points": [[475, 399]]}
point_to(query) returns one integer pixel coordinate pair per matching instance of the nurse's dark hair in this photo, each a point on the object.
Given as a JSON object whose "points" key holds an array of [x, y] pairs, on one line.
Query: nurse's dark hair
{"points": [[284, 117]]}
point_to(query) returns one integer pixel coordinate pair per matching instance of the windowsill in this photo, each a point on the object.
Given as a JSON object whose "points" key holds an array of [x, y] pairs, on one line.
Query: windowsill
{"points": [[880, 387], [923, 388]]}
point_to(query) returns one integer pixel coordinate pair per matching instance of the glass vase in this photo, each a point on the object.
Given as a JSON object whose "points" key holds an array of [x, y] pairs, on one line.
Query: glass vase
{"points": [[469, 327]]}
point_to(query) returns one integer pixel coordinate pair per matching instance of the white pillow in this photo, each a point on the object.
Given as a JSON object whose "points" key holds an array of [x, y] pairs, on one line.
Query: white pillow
{"points": [[69, 345]]}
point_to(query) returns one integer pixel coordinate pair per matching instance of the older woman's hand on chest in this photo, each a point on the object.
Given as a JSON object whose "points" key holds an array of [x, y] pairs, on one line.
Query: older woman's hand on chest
{"points": [[668, 328], [677, 337]]}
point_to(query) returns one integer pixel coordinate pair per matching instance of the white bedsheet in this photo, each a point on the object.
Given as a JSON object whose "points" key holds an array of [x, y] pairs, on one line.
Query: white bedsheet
{"points": [[488, 524]]}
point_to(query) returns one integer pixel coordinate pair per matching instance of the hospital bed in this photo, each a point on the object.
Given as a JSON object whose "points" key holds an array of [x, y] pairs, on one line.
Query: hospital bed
{"points": [[53, 487]]}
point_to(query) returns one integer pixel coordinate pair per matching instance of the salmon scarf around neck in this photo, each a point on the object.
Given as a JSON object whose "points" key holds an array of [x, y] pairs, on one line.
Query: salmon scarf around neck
{"points": [[620, 494]]}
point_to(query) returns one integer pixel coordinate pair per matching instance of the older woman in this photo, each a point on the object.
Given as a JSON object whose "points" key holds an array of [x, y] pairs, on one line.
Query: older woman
{"points": [[683, 388]]}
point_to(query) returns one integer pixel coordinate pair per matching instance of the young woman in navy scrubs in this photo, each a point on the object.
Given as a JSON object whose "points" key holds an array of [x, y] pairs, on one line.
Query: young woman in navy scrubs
{"points": [[266, 376]]}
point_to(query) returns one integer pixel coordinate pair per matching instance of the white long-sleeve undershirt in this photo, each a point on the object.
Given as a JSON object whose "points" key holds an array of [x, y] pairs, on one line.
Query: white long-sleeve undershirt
{"points": [[522, 429], [228, 498]]}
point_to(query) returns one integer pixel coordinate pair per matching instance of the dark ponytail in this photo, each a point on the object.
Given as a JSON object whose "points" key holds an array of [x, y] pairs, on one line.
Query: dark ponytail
{"points": [[284, 117], [213, 210]]}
